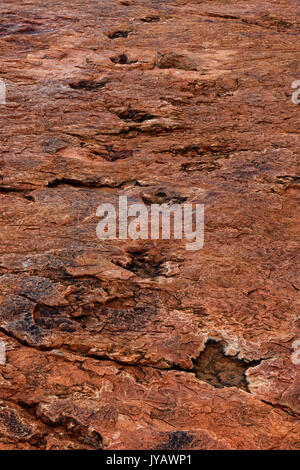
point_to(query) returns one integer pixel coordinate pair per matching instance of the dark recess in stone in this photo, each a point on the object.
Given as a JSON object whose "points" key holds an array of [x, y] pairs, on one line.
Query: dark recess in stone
{"points": [[214, 367]]}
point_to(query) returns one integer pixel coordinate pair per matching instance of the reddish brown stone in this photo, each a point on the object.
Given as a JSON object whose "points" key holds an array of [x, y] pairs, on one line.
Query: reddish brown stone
{"points": [[142, 344]]}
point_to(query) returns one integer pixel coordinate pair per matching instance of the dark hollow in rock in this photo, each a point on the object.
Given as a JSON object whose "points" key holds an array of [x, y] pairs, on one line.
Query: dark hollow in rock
{"points": [[214, 367], [112, 155], [144, 265], [119, 34], [122, 59], [150, 19], [88, 85], [135, 115]]}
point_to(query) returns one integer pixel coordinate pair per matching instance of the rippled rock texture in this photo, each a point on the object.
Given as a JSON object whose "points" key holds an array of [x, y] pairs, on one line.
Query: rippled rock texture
{"points": [[142, 344]]}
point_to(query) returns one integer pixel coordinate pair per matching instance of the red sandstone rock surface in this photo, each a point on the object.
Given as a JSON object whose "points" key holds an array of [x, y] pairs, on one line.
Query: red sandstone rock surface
{"points": [[142, 344]]}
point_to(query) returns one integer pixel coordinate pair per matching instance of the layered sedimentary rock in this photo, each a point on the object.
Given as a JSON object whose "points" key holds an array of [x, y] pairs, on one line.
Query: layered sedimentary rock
{"points": [[142, 344]]}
